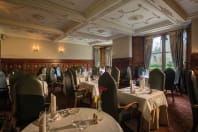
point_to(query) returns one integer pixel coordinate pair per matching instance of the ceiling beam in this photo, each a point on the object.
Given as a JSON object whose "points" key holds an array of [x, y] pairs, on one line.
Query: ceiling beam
{"points": [[108, 24]]}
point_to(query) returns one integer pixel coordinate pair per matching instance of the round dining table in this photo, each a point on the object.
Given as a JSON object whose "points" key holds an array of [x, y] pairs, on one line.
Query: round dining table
{"points": [[77, 120]]}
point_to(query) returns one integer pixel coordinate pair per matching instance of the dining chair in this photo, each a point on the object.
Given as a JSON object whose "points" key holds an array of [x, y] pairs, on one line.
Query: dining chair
{"points": [[193, 96], [157, 79], [177, 81], [127, 76], [115, 73], [127, 115], [4, 98], [169, 81], [28, 100], [70, 90]]}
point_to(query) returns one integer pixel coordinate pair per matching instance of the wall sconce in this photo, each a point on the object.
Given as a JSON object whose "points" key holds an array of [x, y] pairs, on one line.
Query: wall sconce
{"points": [[35, 48], [61, 49]]}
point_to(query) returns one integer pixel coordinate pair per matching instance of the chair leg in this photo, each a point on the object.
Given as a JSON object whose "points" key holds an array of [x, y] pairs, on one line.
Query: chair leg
{"points": [[172, 93], [75, 102], [194, 128]]}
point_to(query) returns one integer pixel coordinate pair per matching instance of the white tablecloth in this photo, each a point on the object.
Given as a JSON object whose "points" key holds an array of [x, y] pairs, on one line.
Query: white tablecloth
{"points": [[147, 102], [64, 124], [92, 85]]}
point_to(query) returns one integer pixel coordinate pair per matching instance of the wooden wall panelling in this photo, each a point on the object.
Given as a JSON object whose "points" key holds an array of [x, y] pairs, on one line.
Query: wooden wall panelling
{"points": [[122, 64], [138, 51], [33, 65], [194, 63]]}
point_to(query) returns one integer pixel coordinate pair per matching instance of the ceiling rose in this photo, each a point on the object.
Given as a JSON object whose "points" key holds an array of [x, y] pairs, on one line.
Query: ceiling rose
{"points": [[135, 17]]}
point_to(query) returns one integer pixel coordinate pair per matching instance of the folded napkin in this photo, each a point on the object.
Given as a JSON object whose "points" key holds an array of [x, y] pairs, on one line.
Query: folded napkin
{"points": [[42, 123], [53, 104], [142, 83], [132, 89]]}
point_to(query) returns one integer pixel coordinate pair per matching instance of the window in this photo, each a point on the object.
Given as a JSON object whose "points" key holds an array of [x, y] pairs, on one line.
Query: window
{"points": [[168, 57], [161, 53], [184, 48], [156, 56]]}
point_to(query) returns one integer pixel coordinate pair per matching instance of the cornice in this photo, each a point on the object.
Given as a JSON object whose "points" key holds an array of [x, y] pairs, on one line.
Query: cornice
{"points": [[177, 8]]}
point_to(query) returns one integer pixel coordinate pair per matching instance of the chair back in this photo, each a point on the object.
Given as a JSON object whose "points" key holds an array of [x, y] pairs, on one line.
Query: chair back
{"points": [[2, 80], [157, 79], [109, 96], [29, 100], [170, 77], [193, 96], [178, 73], [115, 73], [74, 74], [95, 71], [128, 75], [68, 84]]}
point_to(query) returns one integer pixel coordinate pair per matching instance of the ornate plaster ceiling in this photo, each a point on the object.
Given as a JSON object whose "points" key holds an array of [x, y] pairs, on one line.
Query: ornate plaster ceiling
{"points": [[91, 22]]}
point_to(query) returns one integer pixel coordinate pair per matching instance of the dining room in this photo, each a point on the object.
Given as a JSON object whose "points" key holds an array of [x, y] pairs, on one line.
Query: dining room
{"points": [[63, 63]]}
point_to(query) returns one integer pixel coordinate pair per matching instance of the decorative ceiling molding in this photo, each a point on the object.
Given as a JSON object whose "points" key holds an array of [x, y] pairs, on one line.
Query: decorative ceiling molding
{"points": [[49, 6], [167, 11], [175, 6], [92, 21], [31, 26], [121, 28], [99, 7], [154, 28]]}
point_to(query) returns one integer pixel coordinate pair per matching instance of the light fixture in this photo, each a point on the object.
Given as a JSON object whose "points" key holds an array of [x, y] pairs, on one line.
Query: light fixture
{"points": [[35, 48], [61, 49]]}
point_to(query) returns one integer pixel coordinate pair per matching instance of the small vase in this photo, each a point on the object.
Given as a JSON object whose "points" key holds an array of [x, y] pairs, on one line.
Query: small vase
{"points": [[99, 110]]}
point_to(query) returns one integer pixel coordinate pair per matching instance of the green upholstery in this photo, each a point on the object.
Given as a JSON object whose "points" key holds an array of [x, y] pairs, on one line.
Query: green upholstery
{"points": [[68, 82], [157, 79], [69, 88], [115, 72], [169, 80], [28, 100], [95, 71], [110, 104], [109, 96], [2, 80], [193, 96], [74, 74]]}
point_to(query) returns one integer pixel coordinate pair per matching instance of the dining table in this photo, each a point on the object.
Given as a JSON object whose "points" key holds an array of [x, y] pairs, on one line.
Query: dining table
{"points": [[77, 120], [152, 104]]}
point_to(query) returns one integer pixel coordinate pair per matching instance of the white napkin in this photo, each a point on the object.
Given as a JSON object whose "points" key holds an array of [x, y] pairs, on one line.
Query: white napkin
{"points": [[132, 90], [142, 83], [53, 103], [42, 123]]}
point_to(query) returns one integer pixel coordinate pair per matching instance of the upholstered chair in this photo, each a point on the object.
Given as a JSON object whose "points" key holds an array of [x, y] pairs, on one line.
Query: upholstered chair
{"points": [[70, 90], [110, 104], [115, 73], [193, 96], [157, 79], [169, 80], [28, 100]]}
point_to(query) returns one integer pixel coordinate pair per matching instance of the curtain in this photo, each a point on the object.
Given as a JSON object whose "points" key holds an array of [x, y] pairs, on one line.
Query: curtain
{"points": [[147, 51], [176, 44], [97, 57], [108, 56]]}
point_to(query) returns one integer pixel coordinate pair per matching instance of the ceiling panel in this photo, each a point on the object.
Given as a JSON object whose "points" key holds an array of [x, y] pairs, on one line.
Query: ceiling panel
{"points": [[90, 21], [190, 6], [135, 14]]}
